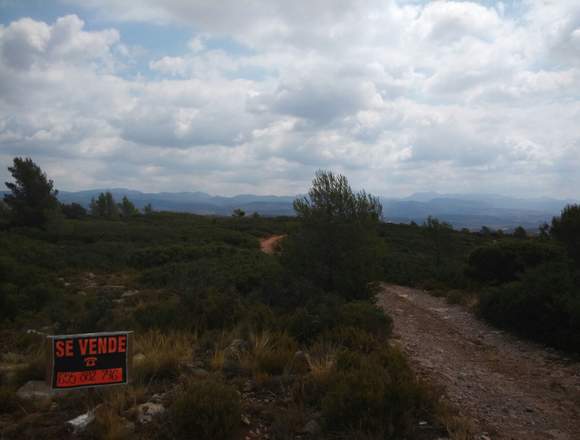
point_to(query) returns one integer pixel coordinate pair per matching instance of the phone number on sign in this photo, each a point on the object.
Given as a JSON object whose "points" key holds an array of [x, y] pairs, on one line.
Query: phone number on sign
{"points": [[93, 377]]}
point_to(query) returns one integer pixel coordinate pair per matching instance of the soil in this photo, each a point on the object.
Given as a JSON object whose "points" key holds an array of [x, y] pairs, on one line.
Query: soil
{"points": [[504, 387], [269, 245]]}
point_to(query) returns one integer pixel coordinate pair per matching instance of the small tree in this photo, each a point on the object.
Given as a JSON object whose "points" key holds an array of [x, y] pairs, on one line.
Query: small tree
{"points": [[73, 211], [437, 233], [566, 229], [148, 209], [544, 230], [32, 195], [4, 214], [238, 213], [485, 231], [127, 208], [337, 245], [104, 207], [520, 232]]}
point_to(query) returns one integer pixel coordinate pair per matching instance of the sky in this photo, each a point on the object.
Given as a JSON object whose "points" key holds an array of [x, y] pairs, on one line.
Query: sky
{"points": [[246, 96]]}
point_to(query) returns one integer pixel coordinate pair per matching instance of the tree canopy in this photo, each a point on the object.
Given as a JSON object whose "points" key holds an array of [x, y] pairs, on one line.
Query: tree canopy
{"points": [[32, 195], [336, 246], [104, 206], [566, 229]]}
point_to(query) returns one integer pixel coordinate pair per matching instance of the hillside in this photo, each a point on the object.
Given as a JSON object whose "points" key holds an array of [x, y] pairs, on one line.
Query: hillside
{"points": [[471, 211]]}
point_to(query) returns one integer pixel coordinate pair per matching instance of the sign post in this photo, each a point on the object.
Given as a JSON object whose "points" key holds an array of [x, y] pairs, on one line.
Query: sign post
{"points": [[90, 360]]}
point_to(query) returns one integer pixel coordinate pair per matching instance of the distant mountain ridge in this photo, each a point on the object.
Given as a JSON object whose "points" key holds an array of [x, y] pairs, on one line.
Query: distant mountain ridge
{"points": [[461, 210]]}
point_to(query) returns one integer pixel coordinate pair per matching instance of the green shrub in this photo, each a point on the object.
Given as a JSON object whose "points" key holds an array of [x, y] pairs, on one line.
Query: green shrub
{"points": [[258, 317], [157, 315], [354, 339], [366, 316], [209, 308], [160, 255], [206, 410], [544, 305], [273, 361], [375, 394], [505, 261]]}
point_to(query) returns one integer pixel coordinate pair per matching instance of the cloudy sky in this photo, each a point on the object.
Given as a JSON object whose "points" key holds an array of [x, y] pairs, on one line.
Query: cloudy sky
{"points": [[252, 96]]}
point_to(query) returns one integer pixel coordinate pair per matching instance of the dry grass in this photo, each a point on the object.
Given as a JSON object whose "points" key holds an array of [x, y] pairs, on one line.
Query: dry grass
{"points": [[260, 342], [109, 423], [217, 359], [457, 426], [322, 357], [270, 353], [163, 354]]}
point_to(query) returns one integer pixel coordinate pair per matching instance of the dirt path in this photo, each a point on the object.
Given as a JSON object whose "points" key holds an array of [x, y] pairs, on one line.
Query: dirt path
{"points": [[268, 244], [508, 388]]}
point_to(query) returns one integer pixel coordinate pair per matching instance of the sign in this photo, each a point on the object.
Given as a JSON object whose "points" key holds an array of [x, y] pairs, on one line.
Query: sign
{"points": [[89, 360]]}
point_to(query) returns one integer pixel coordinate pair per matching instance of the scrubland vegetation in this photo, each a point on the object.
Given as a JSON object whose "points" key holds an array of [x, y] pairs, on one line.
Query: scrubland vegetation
{"points": [[213, 317], [525, 283], [219, 324]]}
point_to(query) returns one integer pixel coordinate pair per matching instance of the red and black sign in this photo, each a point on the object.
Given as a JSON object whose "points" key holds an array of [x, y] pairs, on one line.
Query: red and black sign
{"points": [[90, 360]]}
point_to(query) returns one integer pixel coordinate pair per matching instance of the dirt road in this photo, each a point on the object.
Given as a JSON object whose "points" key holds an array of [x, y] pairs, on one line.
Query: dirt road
{"points": [[508, 388], [268, 245]]}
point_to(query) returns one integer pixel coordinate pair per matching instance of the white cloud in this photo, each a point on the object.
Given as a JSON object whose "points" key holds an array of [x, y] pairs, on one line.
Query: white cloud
{"points": [[401, 96]]}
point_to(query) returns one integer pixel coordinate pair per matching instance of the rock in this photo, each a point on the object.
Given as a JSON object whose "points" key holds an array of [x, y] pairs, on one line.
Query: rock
{"points": [[250, 385], [35, 390], [80, 423], [312, 428], [232, 365], [232, 356], [199, 373], [147, 411], [157, 398], [128, 426], [300, 363], [32, 331], [130, 293]]}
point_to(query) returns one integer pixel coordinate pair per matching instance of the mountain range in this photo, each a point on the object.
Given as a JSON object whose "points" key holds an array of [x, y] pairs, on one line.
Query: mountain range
{"points": [[470, 211]]}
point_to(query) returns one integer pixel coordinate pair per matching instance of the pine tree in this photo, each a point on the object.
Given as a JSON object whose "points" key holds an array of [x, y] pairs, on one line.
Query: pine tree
{"points": [[337, 246], [32, 195]]}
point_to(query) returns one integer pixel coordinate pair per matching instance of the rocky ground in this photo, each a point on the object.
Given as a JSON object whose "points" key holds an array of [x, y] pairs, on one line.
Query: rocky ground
{"points": [[504, 387]]}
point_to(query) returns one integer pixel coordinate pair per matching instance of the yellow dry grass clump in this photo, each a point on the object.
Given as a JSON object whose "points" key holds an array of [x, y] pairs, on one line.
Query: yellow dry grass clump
{"points": [[158, 356]]}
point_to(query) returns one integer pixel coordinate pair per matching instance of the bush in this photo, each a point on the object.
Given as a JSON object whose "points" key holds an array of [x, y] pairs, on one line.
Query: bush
{"points": [[375, 394], [505, 261], [544, 305], [272, 352], [157, 315], [336, 246], [366, 316], [354, 339], [206, 410]]}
